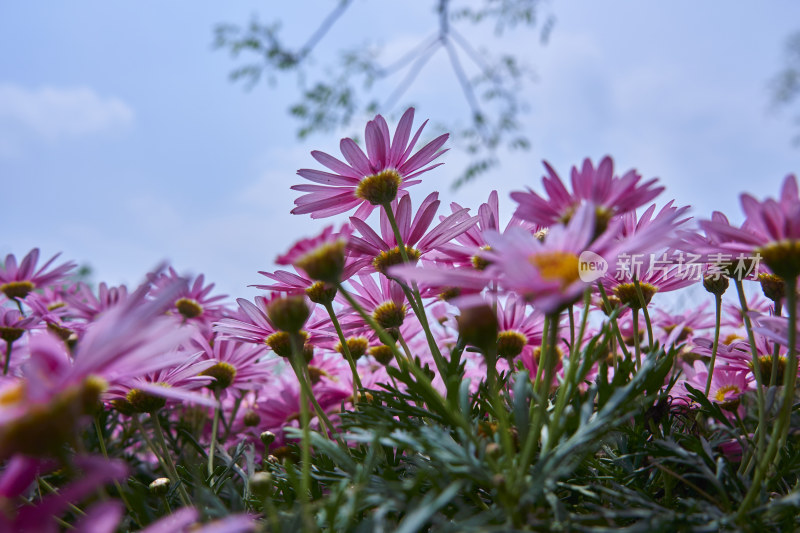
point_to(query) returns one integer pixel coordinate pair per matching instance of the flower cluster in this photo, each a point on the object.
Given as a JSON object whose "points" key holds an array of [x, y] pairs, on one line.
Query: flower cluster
{"points": [[496, 330]]}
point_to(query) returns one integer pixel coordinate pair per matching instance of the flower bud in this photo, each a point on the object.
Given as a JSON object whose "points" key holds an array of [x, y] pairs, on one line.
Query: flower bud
{"points": [[159, 487], [772, 286], [251, 418], [267, 437], [288, 313], [261, 484], [715, 283], [321, 293], [382, 353], [357, 345], [324, 263]]}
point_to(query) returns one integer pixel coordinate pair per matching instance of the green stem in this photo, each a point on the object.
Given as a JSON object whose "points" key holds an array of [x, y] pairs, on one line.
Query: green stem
{"points": [[415, 299], [568, 388], [773, 377], [571, 325], [8, 357], [382, 334], [762, 424], [538, 408], [330, 429], [268, 508], [500, 411], [168, 459], [305, 444], [409, 366], [637, 344], [301, 372], [715, 346], [346, 351], [214, 431], [617, 332], [643, 303], [542, 351], [403, 344], [104, 451], [151, 445], [781, 427], [52, 490]]}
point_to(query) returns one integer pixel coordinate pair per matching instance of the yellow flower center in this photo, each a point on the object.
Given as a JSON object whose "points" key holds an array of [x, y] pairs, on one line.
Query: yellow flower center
{"points": [[321, 293], [388, 258], [626, 292], [389, 315], [782, 257], [380, 188], [223, 372], [189, 308], [683, 335], [281, 344], [12, 394], [510, 343], [723, 393], [145, 402], [17, 289], [557, 266], [727, 397], [357, 345], [478, 262]]}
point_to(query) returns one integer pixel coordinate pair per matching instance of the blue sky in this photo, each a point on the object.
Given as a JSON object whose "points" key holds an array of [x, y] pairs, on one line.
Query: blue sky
{"points": [[123, 143]]}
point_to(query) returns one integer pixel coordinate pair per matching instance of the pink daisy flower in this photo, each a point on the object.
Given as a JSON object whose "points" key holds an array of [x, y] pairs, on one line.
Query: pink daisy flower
{"points": [[279, 407], [682, 327], [13, 323], [187, 520], [443, 281], [519, 327], [732, 312], [322, 258], [384, 299], [18, 281], [771, 230], [237, 366], [656, 273], [46, 407], [84, 304], [41, 515], [737, 354], [652, 279], [253, 325], [194, 302], [464, 251], [384, 251], [610, 194], [370, 179], [151, 392], [546, 272], [727, 385]]}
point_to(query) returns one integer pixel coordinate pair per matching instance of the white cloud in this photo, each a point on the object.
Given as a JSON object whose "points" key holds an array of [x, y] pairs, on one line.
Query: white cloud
{"points": [[53, 113]]}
